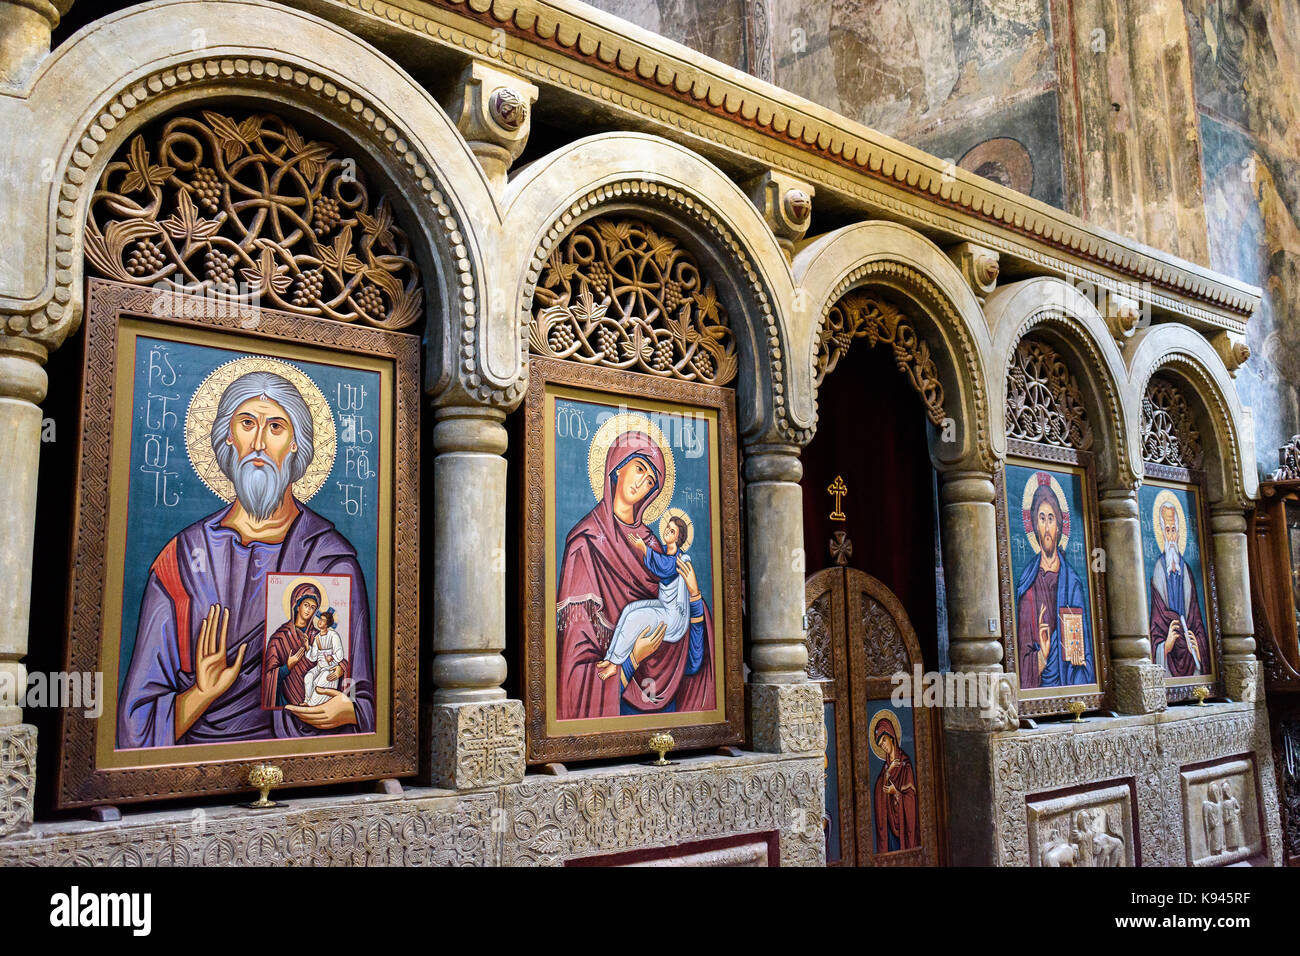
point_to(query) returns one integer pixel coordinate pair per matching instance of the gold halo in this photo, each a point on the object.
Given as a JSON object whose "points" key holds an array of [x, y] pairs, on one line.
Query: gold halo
{"points": [[890, 716], [1027, 499], [618, 425], [1168, 497], [690, 527], [304, 579], [203, 409]]}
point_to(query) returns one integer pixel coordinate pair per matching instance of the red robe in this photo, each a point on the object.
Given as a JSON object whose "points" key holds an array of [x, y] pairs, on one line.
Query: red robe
{"points": [[896, 812], [600, 574]]}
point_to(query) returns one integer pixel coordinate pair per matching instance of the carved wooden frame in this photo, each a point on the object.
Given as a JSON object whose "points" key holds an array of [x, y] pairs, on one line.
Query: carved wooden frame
{"points": [[1195, 481], [1271, 598], [624, 388], [836, 692], [1033, 454], [82, 781]]}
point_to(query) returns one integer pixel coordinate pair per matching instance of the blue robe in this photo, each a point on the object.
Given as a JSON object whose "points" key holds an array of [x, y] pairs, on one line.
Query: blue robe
{"points": [[664, 567], [1059, 672]]}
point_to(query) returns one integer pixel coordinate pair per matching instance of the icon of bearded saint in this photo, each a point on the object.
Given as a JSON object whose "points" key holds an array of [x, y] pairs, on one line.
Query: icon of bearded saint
{"points": [[199, 668]]}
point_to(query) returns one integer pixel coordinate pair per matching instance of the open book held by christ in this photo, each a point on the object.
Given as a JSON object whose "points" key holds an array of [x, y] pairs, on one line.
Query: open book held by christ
{"points": [[1072, 635]]}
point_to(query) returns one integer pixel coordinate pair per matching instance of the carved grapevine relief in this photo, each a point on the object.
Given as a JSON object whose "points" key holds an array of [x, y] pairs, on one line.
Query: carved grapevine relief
{"points": [[886, 654], [1044, 403], [1169, 434], [820, 666], [618, 293], [860, 316], [250, 207]]}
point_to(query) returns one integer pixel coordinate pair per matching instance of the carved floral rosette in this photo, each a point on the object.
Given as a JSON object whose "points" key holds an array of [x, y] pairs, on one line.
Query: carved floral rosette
{"points": [[249, 207]]}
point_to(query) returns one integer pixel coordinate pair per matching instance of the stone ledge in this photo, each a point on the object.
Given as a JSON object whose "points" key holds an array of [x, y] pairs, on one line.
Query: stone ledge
{"points": [[543, 820]]}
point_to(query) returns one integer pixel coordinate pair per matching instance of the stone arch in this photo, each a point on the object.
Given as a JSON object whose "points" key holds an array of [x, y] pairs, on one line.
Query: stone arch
{"points": [[1228, 446], [300, 65], [1060, 314], [901, 261], [669, 186]]}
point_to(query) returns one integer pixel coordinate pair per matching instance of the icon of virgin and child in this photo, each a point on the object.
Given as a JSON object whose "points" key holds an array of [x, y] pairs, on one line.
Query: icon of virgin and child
{"points": [[202, 669], [634, 635]]}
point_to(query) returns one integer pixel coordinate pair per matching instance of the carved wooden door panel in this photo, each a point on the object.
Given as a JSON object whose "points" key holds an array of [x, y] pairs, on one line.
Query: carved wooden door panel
{"points": [[881, 802], [828, 663]]}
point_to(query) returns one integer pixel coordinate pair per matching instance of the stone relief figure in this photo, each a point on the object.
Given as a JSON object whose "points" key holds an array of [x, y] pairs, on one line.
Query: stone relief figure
{"points": [[1058, 851], [1097, 847], [1213, 815], [1234, 837]]}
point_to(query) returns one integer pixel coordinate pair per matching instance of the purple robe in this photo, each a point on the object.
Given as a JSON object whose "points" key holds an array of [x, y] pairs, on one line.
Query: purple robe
{"points": [[1173, 596], [207, 564]]}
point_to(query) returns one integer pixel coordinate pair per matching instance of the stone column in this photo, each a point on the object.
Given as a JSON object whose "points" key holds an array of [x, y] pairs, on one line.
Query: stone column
{"points": [[968, 528], [968, 531], [1139, 683], [785, 709], [25, 29], [477, 734], [22, 385], [1241, 672]]}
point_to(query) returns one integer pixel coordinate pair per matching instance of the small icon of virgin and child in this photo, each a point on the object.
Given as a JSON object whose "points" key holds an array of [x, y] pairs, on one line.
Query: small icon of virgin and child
{"points": [[1053, 609], [634, 634], [255, 623]]}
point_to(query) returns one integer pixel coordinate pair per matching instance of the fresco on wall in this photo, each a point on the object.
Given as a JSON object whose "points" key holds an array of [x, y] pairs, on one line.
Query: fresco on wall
{"points": [[715, 28], [1018, 147], [1250, 149]]}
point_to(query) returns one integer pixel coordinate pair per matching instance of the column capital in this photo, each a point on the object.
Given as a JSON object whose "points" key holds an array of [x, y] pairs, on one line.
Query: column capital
{"points": [[1226, 519], [1119, 504], [21, 373], [469, 428], [974, 487], [25, 30], [772, 462]]}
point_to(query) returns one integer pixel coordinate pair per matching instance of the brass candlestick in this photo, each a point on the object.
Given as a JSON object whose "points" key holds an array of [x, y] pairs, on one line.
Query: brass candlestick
{"points": [[1200, 693], [661, 743], [1077, 707], [264, 776]]}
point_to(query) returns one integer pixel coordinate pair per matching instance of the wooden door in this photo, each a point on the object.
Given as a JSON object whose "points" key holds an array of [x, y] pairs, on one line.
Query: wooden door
{"points": [[881, 800]]}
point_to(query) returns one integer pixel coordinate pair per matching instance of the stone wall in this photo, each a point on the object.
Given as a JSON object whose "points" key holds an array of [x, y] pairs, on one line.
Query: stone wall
{"points": [[1149, 777]]}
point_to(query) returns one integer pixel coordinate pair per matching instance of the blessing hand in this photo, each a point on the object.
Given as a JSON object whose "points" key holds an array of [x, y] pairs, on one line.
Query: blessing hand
{"points": [[337, 711]]}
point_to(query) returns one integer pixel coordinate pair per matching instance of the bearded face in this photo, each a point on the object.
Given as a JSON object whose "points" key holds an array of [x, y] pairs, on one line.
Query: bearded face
{"points": [[259, 455], [1169, 522], [1047, 526]]}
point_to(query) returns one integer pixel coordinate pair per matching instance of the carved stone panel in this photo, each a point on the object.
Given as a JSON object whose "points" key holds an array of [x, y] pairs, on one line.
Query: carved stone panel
{"points": [[1093, 827], [1221, 813]]}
